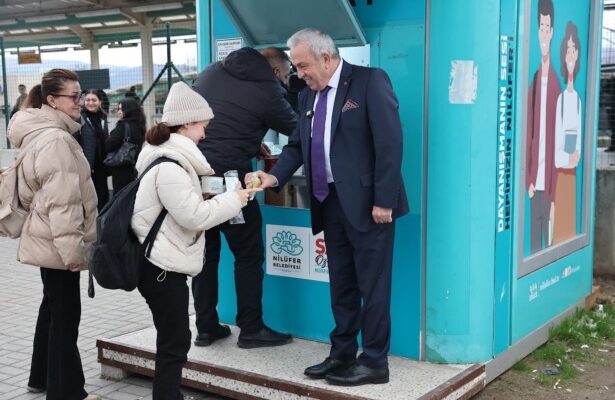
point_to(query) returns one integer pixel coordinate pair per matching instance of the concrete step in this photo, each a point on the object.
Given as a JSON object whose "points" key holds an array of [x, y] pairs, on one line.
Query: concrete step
{"points": [[277, 373]]}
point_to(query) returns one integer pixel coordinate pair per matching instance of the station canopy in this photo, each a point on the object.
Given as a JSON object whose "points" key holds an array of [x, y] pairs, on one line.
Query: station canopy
{"points": [[85, 22], [265, 23]]}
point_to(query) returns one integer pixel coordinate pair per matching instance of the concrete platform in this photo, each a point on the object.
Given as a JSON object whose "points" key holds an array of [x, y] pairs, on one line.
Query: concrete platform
{"points": [[277, 373]]}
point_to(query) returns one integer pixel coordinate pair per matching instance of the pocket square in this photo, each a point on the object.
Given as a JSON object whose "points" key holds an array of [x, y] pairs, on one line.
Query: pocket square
{"points": [[350, 105]]}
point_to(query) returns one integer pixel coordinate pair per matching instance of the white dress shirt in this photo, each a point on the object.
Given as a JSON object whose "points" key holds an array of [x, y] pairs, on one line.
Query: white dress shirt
{"points": [[333, 83], [542, 138]]}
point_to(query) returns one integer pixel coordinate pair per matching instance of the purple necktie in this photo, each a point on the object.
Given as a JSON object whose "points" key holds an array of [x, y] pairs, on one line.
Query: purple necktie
{"points": [[320, 187]]}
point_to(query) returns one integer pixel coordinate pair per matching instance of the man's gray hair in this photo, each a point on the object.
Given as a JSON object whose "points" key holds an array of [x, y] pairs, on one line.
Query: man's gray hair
{"points": [[319, 43]]}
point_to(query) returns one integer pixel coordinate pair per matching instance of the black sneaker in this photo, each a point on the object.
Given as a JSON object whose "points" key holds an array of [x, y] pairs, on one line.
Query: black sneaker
{"points": [[207, 338], [265, 337]]}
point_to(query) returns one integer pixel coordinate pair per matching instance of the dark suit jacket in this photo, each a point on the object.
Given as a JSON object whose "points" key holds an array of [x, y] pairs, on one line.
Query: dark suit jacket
{"points": [[366, 147]]}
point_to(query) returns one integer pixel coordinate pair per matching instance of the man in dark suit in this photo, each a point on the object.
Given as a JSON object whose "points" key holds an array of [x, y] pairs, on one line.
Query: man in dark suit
{"points": [[349, 138]]}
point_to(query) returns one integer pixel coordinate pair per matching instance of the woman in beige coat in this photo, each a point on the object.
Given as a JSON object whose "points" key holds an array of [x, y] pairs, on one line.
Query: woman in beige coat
{"points": [[54, 184], [177, 251]]}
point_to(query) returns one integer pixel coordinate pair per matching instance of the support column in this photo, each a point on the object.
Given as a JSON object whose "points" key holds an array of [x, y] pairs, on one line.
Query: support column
{"points": [[204, 35], [147, 60], [94, 56]]}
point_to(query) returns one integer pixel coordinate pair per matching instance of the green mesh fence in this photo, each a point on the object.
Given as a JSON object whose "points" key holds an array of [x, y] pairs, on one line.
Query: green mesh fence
{"points": [[122, 59]]}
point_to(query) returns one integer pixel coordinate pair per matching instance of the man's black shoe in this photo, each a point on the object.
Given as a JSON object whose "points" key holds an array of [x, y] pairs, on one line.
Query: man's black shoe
{"points": [[358, 375], [205, 339], [319, 371], [265, 337]]}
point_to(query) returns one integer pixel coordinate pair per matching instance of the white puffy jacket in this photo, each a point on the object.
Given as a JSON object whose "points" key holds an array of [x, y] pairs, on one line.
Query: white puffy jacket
{"points": [[180, 244]]}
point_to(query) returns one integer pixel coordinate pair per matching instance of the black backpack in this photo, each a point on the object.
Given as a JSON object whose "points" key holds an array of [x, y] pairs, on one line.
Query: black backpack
{"points": [[116, 256]]}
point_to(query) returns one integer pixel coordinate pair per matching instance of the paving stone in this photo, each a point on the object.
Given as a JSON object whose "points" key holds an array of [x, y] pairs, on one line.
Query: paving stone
{"points": [[110, 313]]}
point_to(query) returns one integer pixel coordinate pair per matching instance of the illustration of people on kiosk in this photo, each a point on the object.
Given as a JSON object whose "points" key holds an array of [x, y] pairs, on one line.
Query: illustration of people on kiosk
{"points": [[540, 172], [568, 129]]}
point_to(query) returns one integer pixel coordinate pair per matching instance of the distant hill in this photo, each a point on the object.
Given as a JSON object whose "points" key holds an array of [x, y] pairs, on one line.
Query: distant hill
{"points": [[120, 77]]}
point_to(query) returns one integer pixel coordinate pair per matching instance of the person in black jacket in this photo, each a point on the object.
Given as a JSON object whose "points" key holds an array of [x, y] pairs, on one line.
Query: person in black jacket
{"points": [[92, 137], [247, 100], [132, 126]]}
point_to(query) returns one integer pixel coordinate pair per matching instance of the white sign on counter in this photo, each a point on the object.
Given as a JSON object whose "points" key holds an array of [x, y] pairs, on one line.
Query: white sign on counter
{"points": [[295, 253]]}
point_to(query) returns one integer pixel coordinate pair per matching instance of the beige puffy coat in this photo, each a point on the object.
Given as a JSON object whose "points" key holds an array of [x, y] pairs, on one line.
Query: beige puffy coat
{"points": [[180, 244], [55, 186]]}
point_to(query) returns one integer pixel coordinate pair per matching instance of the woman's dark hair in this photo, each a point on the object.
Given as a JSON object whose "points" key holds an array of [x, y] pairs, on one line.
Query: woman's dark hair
{"points": [[571, 33], [53, 82], [133, 110], [104, 100], [160, 133], [95, 92]]}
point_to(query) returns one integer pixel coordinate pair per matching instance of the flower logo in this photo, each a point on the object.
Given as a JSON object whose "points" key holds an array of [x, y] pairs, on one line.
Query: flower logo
{"points": [[287, 242]]}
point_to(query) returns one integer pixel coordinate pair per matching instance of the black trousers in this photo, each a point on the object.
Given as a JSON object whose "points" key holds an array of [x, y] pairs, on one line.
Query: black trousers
{"points": [[246, 244], [360, 265], [56, 364], [166, 294], [99, 177]]}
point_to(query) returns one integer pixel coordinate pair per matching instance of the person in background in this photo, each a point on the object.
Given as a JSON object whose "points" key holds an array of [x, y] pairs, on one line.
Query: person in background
{"points": [[282, 68], [131, 124], [56, 187], [92, 137], [104, 100], [349, 137], [20, 100], [247, 100], [177, 250], [132, 93]]}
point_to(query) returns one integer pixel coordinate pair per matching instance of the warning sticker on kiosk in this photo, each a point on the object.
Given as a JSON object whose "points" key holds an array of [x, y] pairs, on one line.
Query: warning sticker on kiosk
{"points": [[295, 252]]}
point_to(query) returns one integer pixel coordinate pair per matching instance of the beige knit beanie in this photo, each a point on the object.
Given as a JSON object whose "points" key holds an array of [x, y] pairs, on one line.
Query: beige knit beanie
{"points": [[184, 105]]}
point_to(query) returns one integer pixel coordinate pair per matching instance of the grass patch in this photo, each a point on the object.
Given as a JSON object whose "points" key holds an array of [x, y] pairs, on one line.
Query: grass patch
{"points": [[552, 351], [522, 366], [563, 349]]}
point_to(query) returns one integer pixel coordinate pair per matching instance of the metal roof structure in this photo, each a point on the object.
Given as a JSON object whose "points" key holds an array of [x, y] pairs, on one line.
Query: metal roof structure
{"points": [[26, 23]]}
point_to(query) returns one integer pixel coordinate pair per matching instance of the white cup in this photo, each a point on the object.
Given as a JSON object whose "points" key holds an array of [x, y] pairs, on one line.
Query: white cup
{"points": [[212, 184]]}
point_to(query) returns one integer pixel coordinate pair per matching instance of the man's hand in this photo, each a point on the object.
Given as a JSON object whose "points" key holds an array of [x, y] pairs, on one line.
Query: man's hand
{"points": [[266, 180], [531, 191], [382, 215]]}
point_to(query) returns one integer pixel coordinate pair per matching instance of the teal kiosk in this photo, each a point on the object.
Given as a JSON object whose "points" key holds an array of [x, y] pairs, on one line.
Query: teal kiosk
{"points": [[499, 103], [480, 268]]}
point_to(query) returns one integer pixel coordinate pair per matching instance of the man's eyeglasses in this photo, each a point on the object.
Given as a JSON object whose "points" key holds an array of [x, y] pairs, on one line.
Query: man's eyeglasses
{"points": [[77, 97]]}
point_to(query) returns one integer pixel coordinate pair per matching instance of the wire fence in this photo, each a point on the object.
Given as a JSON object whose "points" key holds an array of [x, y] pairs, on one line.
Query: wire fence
{"points": [[122, 59]]}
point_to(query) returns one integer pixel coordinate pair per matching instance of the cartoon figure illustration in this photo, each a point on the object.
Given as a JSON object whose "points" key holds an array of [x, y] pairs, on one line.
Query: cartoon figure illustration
{"points": [[568, 129], [540, 172]]}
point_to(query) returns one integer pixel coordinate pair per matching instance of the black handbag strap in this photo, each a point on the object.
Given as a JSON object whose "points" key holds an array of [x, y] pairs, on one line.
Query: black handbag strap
{"points": [[127, 132], [148, 243]]}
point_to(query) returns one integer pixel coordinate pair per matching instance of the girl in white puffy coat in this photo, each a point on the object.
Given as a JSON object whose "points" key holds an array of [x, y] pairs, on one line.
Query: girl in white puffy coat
{"points": [[180, 244]]}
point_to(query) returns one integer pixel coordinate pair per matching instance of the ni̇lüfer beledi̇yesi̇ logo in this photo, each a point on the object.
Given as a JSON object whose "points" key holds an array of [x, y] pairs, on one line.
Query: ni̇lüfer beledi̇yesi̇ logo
{"points": [[287, 242]]}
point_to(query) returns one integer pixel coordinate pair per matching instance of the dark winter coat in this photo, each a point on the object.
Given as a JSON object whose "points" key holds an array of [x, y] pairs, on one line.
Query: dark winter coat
{"points": [[121, 176], [92, 137], [247, 100]]}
